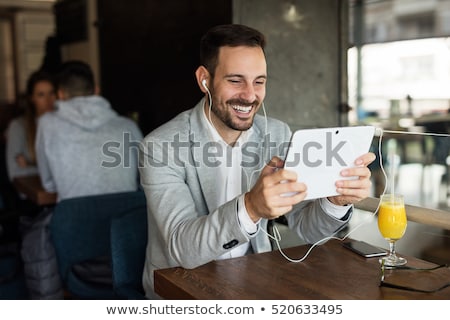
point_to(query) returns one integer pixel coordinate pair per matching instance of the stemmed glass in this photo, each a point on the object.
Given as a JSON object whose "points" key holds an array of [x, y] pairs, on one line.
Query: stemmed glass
{"points": [[392, 225]]}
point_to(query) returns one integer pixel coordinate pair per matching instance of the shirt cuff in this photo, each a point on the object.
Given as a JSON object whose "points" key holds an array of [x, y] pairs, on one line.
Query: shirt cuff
{"points": [[246, 223], [332, 209]]}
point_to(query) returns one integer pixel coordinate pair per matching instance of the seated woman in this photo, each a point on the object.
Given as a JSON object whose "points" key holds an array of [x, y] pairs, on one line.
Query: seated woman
{"points": [[21, 133]]}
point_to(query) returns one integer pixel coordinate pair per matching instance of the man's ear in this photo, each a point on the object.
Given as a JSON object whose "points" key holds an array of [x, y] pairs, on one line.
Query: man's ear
{"points": [[202, 74]]}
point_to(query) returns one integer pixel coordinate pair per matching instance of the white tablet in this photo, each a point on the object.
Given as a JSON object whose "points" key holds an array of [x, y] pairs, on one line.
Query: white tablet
{"points": [[319, 155]]}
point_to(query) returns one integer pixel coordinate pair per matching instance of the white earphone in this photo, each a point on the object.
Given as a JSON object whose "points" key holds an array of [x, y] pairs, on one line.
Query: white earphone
{"points": [[204, 84]]}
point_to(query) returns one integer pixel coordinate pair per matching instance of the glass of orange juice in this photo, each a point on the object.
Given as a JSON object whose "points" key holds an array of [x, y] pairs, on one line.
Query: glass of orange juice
{"points": [[392, 225]]}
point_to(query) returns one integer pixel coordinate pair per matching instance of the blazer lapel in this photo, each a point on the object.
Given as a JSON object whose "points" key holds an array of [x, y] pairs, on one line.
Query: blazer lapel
{"points": [[207, 174], [252, 159]]}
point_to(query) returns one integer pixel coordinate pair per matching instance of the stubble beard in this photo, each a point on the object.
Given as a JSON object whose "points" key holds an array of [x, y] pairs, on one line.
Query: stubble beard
{"points": [[226, 118]]}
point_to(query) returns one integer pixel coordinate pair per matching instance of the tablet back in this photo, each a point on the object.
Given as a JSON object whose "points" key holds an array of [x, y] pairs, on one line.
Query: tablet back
{"points": [[319, 155]]}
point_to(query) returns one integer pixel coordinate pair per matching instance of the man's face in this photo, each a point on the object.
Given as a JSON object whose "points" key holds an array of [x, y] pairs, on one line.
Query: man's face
{"points": [[239, 87]]}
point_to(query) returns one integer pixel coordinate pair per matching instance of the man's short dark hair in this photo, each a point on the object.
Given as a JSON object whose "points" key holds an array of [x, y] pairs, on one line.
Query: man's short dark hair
{"points": [[76, 79], [231, 35]]}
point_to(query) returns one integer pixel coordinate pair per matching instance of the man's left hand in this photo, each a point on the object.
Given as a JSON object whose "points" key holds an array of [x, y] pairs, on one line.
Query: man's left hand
{"points": [[354, 190]]}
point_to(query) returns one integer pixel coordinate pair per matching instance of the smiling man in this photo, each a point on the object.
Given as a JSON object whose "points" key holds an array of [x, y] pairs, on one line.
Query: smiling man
{"points": [[213, 175]]}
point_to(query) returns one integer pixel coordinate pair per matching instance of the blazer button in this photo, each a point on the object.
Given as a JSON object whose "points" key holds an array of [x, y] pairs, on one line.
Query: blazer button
{"points": [[230, 244]]}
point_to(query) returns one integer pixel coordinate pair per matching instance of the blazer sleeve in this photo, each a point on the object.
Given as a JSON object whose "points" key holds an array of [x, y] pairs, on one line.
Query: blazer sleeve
{"points": [[310, 221]]}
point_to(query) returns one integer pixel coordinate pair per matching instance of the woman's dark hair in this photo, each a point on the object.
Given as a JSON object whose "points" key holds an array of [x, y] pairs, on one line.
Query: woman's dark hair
{"points": [[30, 109], [231, 35]]}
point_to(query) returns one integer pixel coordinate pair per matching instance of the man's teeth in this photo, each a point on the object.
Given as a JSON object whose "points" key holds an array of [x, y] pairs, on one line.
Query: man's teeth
{"points": [[242, 109]]}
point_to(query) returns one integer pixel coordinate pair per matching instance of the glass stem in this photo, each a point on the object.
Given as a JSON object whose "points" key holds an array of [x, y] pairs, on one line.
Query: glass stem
{"points": [[392, 248]]}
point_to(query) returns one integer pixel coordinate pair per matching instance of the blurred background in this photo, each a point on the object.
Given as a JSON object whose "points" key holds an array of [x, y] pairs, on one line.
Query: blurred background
{"points": [[331, 63]]}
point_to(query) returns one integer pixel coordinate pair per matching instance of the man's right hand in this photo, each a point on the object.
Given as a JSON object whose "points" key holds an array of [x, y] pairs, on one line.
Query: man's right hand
{"points": [[267, 199]]}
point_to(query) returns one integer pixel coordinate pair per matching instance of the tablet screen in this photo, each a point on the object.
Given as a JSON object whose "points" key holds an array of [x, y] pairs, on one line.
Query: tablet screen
{"points": [[319, 155]]}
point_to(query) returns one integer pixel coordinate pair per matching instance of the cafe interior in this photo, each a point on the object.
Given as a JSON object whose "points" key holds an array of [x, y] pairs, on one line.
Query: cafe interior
{"points": [[331, 63]]}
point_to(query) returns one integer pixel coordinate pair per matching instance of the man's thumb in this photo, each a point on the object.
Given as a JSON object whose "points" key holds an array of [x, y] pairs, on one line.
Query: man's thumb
{"points": [[274, 164]]}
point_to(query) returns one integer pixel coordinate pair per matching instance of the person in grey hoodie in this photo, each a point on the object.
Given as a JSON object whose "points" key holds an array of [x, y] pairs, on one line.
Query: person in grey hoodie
{"points": [[84, 147]]}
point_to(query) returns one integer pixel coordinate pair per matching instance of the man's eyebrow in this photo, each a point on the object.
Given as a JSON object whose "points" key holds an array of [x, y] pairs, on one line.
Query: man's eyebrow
{"points": [[236, 75]]}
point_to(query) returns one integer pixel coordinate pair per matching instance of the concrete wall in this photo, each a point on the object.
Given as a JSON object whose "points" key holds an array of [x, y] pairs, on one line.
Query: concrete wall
{"points": [[306, 56]]}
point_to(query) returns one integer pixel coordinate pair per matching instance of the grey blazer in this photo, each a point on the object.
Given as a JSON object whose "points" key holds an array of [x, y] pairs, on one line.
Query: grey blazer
{"points": [[185, 227]]}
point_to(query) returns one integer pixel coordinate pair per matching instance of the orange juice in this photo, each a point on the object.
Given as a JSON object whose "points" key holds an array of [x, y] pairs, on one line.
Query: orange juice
{"points": [[392, 219]]}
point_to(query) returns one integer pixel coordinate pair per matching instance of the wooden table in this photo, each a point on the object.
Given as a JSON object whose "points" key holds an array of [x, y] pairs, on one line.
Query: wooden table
{"points": [[32, 188], [329, 272]]}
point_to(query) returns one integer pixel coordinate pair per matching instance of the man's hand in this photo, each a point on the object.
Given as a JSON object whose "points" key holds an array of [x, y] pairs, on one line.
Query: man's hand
{"points": [[266, 200], [21, 161], [352, 191]]}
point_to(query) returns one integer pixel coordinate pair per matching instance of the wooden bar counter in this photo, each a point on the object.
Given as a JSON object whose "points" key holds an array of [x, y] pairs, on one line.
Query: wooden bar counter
{"points": [[329, 272]]}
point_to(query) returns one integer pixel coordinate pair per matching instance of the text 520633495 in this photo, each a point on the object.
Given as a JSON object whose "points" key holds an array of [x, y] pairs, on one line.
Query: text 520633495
{"points": [[307, 309]]}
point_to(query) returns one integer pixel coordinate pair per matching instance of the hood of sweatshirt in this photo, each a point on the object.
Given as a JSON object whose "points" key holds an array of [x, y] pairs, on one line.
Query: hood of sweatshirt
{"points": [[88, 112]]}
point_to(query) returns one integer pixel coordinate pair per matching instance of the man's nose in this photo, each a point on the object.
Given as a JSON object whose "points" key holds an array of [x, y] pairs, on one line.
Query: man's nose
{"points": [[248, 93]]}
